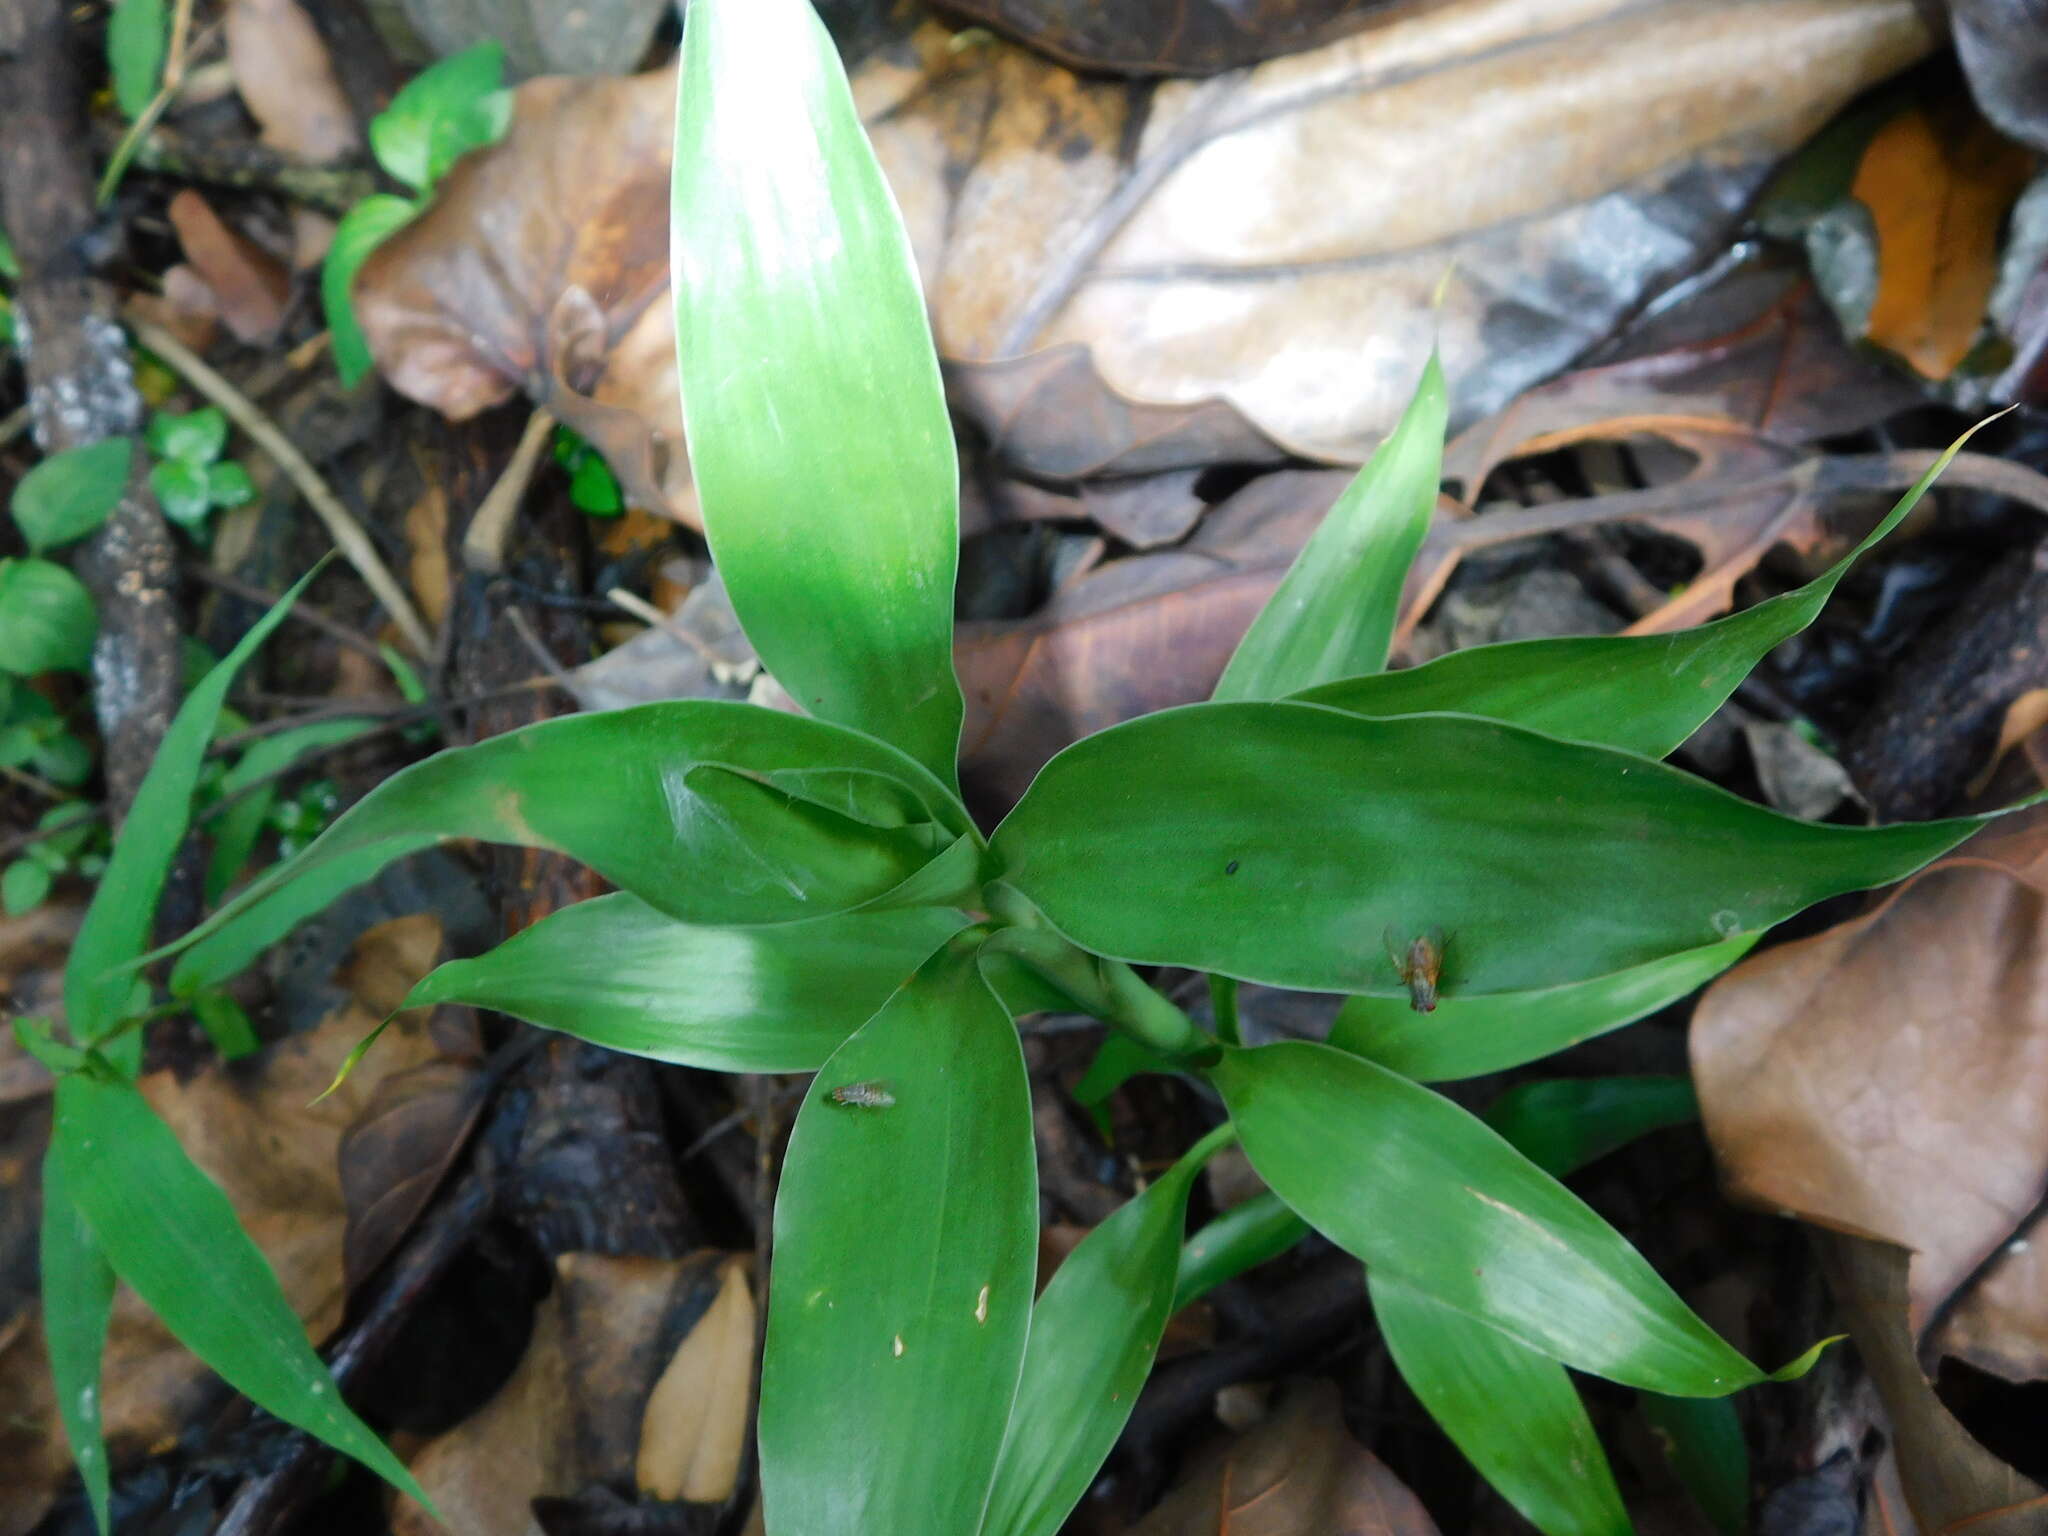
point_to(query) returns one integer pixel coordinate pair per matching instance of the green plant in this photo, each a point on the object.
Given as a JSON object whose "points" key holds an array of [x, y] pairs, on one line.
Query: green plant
{"points": [[439, 115], [47, 620], [138, 38], [811, 894], [72, 840], [190, 478], [593, 488]]}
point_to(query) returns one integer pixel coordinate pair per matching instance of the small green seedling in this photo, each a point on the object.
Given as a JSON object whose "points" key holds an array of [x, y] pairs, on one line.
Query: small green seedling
{"points": [[190, 478], [35, 738], [439, 116], [70, 837], [593, 488], [47, 618], [809, 893]]}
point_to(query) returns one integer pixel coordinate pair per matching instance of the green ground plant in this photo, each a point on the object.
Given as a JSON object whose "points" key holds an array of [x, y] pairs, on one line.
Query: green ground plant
{"points": [[810, 894]]}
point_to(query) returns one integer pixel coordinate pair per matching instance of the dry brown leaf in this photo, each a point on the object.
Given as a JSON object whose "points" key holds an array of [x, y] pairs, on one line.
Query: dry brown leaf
{"points": [[187, 307], [287, 81], [1888, 1078], [394, 1155], [1298, 1474], [2024, 717], [250, 286], [694, 1432], [571, 1415], [543, 37], [1180, 37], [1938, 188]]}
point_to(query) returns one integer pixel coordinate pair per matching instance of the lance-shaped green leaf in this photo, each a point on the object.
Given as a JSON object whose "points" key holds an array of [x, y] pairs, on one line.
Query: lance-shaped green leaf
{"points": [[1333, 614], [1560, 1124], [1290, 844], [170, 1233], [1242, 1238], [1640, 693], [1093, 1335], [1513, 1412], [251, 783], [816, 418], [98, 978], [78, 1298], [906, 1242], [712, 812], [1418, 1188], [1471, 1036], [616, 972]]}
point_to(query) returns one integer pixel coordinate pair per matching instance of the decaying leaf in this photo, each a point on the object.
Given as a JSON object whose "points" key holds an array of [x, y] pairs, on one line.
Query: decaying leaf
{"points": [[1182, 37], [543, 37], [1887, 1078], [287, 81], [1298, 1472], [250, 286], [596, 1399], [32, 951], [394, 1155]]}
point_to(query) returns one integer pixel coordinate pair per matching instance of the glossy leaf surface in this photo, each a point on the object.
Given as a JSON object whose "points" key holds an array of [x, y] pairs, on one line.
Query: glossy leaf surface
{"points": [[709, 811], [170, 1233], [906, 1246], [1416, 1187], [1290, 844], [69, 494], [1094, 1333], [78, 1299], [1513, 1412], [1470, 1036], [817, 422], [98, 979], [618, 973], [1638, 693], [1562, 1124], [137, 36], [1333, 615]]}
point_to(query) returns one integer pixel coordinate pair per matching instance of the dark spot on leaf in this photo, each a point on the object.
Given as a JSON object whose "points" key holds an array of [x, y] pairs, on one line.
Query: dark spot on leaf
{"points": [[1230, 868]]}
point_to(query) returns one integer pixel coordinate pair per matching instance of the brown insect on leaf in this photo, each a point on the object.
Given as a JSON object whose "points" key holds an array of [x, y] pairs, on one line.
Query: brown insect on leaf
{"points": [[1419, 962]]}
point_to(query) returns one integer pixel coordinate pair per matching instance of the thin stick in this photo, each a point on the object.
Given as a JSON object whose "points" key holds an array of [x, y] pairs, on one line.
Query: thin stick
{"points": [[483, 543], [199, 570], [347, 533]]}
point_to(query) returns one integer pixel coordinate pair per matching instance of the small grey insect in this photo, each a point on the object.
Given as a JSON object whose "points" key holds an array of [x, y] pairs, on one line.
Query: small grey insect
{"points": [[863, 1095]]}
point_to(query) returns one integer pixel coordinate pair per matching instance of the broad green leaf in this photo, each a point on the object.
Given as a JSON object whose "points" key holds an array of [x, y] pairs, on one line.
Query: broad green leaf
{"points": [[1422, 1191], [1289, 844], [1094, 1332], [197, 437], [47, 620], [78, 1298], [138, 34], [1471, 1036], [906, 1245], [69, 494], [440, 114], [362, 229], [170, 1233], [1333, 614], [180, 489], [1562, 1124], [1513, 1412], [1638, 693], [226, 1025], [24, 885], [237, 828], [98, 979], [712, 812], [618, 973], [1242, 1238], [816, 419], [1702, 1439]]}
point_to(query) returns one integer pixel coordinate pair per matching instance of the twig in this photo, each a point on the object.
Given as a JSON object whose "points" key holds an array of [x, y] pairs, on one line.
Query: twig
{"points": [[347, 533], [301, 613], [14, 423], [483, 543]]}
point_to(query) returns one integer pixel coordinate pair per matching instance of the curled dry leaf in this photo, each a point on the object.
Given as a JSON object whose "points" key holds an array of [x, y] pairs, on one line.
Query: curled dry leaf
{"points": [[250, 286], [394, 1155], [1888, 1078], [1298, 1472], [287, 81], [596, 1399], [1182, 37]]}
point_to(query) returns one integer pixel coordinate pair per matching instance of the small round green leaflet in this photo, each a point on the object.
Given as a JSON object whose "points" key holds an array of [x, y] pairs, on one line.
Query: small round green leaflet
{"points": [[69, 495], [1418, 1188], [47, 620], [616, 972], [906, 1245]]}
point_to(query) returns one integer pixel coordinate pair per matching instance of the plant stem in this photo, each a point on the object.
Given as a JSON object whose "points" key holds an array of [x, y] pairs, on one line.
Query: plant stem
{"points": [[1223, 1008]]}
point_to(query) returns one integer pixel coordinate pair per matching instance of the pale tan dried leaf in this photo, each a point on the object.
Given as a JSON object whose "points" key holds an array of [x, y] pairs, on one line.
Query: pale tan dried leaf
{"points": [[694, 1433], [250, 286], [287, 81]]}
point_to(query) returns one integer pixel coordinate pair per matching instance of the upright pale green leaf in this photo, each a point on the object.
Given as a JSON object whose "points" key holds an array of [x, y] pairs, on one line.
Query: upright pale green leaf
{"points": [[362, 229], [138, 34], [1562, 1123], [1420, 1190], [1640, 693], [1333, 615], [1242, 1238], [1290, 844], [47, 620], [906, 1244], [713, 812], [1513, 1412], [443, 112], [817, 423], [1471, 1036], [250, 781], [1093, 1335], [78, 1298], [98, 978], [69, 494], [618, 973], [170, 1233]]}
